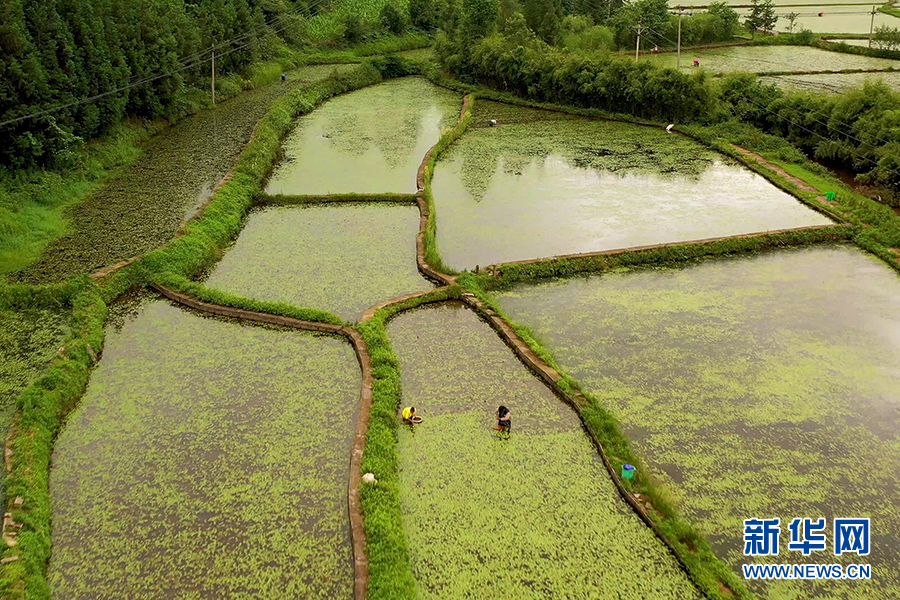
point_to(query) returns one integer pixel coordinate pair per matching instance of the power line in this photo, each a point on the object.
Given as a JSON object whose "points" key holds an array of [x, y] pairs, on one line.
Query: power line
{"points": [[195, 59]]}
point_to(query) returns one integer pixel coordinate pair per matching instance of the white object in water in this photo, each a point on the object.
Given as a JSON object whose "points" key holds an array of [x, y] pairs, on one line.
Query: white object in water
{"points": [[369, 478], [669, 127]]}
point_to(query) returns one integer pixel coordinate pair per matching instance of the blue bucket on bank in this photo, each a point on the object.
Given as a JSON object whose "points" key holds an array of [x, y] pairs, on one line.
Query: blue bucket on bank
{"points": [[627, 471]]}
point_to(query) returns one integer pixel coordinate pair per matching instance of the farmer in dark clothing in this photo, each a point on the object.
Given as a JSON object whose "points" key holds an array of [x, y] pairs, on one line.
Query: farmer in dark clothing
{"points": [[504, 419]]}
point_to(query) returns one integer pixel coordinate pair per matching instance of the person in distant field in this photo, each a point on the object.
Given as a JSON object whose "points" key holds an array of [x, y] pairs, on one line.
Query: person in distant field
{"points": [[283, 77], [696, 63], [410, 416], [504, 419]]}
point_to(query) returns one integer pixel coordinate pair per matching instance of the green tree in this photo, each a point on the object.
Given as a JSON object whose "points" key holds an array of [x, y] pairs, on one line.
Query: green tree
{"points": [[479, 19], [762, 16], [728, 19], [543, 18], [354, 30], [392, 20], [425, 14]]}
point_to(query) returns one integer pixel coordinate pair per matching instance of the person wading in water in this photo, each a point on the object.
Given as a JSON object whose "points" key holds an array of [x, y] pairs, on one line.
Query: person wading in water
{"points": [[504, 420]]}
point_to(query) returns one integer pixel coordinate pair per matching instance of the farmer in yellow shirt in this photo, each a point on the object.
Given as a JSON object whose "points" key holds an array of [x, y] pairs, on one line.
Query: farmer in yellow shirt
{"points": [[410, 416]]}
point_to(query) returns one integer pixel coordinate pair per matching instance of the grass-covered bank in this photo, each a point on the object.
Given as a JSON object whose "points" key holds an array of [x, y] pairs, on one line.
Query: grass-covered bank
{"points": [[387, 550]]}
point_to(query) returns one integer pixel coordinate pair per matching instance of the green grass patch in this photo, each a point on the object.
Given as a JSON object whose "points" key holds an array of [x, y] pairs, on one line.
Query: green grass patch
{"points": [[387, 549]]}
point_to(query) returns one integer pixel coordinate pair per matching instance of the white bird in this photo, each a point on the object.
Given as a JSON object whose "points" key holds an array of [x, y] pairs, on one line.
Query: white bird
{"points": [[369, 478], [670, 126]]}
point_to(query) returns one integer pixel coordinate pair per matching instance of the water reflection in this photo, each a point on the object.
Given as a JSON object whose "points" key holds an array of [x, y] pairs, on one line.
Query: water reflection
{"points": [[371, 140], [541, 189]]}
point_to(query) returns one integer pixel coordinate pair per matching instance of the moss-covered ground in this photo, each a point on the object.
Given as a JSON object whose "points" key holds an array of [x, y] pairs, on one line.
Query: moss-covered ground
{"points": [[28, 340], [531, 516], [142, 205], [542, 184], [342, 258], [369, 141], [207, 458], [762, 386]]}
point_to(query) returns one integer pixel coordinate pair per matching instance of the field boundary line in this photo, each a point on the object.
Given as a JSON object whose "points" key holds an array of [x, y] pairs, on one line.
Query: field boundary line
{"points": [[357, 530], [360, 198], [491, 269]]}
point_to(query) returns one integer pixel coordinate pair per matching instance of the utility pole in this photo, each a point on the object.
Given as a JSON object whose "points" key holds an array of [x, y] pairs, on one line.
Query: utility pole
{"points": [[678, 56], [637, 46], [213, 85], [872, 25]]}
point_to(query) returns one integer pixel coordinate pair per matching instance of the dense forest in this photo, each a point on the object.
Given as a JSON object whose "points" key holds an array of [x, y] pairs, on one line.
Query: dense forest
{"points": [[54, 52]]}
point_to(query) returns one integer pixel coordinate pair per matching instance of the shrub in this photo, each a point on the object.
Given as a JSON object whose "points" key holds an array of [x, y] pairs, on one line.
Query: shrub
{"points": [[392, 20], [354, 30]]}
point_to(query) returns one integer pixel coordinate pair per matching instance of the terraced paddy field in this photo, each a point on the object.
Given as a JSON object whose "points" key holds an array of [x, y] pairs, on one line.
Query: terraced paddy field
{"points": [[143, 205], [761, 386], [368, 141], [29, 339], [833, 82], [541, 184], [771, 59], [341, 257], [207, 459], [847, 17], [531, 516]]}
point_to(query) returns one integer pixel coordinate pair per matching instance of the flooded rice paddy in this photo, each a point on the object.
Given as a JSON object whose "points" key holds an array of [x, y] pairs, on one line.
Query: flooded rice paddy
{"points": [[834, 83], [846, 17], [342, 258], [531, 516], [770, 59], [368, 141], [29, 339], [143, 205], [207, 459], [539, 188], [762, 386]]}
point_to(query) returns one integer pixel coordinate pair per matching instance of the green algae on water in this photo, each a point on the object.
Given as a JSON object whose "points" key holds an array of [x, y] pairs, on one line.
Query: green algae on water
{"points": [[763, 386], [141, 207], [368, 141], [208, 458], [541, 187], [338, 257], [532, 516]]}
